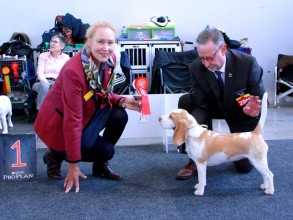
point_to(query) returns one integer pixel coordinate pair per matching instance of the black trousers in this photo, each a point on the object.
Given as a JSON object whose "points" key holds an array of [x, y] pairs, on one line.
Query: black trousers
{"points": [[100, 148], [243, 165]]}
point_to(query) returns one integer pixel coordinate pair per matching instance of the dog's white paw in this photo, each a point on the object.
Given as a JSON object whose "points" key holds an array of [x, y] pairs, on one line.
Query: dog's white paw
{"points": [[5, 132], [10, 125], [263, 186], [269, 191], [198, 192]]}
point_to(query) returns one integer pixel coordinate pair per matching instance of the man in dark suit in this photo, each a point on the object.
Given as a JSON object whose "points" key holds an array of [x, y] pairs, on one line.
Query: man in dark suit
{"points": [[227, 84]]}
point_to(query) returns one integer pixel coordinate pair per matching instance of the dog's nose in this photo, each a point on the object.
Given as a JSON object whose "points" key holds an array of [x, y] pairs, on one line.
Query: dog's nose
{"points": [[160, 118]]}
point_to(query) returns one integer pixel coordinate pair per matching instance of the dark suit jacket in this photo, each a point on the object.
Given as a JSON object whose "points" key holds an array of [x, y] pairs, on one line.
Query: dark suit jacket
{"points": [[65, 111], [242, 75]]}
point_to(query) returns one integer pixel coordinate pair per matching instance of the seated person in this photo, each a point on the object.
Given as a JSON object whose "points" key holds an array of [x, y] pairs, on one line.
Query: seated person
{"points": [[49, 66]]}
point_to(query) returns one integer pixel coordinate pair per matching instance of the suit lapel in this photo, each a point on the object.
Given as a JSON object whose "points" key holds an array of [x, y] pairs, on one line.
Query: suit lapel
{"points": [[230, 74]]}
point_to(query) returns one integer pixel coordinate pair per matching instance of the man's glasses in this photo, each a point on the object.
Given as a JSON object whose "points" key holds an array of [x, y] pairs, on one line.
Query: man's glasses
{"points": [[211, 58]]}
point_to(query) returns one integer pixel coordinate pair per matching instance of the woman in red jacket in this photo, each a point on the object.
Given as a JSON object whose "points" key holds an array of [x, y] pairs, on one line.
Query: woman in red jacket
{"points": [[79, 106]]}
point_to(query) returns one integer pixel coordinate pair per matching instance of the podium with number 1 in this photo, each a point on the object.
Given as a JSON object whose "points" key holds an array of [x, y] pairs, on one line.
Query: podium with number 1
{"points": [[18, 157]]}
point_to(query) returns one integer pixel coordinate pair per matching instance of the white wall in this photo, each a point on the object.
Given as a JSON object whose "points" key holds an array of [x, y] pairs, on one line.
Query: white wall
{"points": [[266, 23]]}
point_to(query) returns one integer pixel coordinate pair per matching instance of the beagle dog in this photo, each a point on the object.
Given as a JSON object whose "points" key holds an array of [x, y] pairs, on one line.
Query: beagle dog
{"points": [[5, 110], [208, 148]]}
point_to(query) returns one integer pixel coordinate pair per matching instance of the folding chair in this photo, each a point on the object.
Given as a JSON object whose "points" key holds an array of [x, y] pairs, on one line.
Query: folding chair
{"points": [[283, 82], [171, 71]]}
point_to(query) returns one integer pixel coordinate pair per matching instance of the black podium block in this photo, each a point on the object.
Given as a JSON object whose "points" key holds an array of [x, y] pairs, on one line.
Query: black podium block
{"points": [[18, 157]]}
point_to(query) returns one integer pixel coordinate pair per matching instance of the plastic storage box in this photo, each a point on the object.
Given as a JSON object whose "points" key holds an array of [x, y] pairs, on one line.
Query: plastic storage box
{"points": [[163, 33], [138, 32]]}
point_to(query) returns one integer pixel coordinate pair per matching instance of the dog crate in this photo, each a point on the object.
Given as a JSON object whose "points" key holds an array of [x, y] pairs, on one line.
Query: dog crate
{"points": [[16, 78], [141, 55]]}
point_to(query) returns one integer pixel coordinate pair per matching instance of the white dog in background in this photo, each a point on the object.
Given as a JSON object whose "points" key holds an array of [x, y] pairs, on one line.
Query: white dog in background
{"points": [[208, 148], [5, 110]]}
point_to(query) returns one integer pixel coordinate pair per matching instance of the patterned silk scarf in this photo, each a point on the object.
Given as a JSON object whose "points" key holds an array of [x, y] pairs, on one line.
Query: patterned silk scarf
{"points": [[94, 79]]}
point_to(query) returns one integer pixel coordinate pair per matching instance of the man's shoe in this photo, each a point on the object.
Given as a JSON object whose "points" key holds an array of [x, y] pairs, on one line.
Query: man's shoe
{"points": [[54, 160], [188, 171], [103, 169]]}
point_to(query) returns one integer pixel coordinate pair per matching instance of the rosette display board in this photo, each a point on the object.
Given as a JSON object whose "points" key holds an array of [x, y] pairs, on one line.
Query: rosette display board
{"points": [[141, 84]]}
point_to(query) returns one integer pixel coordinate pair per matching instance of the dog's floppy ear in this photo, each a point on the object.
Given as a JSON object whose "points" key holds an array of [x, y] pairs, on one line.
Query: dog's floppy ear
{"points": [[180, 133]]}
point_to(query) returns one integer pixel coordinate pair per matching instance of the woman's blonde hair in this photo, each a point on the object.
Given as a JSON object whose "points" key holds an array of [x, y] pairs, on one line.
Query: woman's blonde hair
{"points": [[99, 24]]}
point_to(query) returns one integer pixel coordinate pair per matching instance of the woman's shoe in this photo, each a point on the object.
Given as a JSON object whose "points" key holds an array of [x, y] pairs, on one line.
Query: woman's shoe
{"points": [[54, 160], [105, 170]]}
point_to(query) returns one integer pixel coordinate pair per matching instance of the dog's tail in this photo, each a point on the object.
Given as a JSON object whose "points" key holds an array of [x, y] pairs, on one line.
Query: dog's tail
{"points": [[264, 106]]}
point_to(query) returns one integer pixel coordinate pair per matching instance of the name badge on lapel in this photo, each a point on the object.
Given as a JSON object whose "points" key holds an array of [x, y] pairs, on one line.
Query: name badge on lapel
{"points": [[88, 95]]}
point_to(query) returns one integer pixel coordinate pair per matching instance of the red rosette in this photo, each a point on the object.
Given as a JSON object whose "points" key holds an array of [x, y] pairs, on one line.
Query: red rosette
{"points": [[141, 85]]}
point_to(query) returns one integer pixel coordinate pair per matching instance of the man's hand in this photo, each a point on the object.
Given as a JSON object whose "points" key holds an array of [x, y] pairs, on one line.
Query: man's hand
{"points": [[73, 177], [253, 106]]}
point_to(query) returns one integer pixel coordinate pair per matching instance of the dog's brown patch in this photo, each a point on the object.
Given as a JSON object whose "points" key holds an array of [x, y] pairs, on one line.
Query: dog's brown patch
{"points": [[230, 144]]}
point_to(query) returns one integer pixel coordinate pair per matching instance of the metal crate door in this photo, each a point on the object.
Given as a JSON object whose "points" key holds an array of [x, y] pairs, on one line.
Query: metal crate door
{"points": [[139, 55]]}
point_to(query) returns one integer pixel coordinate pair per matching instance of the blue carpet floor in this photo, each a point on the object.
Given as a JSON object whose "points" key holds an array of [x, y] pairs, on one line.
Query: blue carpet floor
{"points": [[150, 190]]}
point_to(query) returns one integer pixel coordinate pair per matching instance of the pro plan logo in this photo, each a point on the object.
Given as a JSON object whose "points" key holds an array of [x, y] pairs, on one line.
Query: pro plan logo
{"points": [[18, 175]]}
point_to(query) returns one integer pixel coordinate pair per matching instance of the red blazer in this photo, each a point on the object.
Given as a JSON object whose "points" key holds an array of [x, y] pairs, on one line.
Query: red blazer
{"points": [[67, 109]]}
